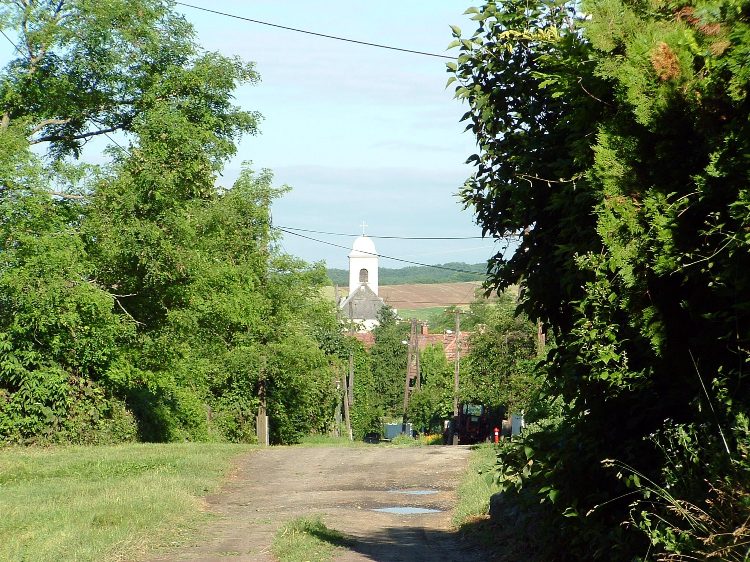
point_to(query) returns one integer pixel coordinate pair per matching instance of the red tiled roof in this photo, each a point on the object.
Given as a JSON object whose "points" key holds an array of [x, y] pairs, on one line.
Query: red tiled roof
{"points": [[448, 341]]}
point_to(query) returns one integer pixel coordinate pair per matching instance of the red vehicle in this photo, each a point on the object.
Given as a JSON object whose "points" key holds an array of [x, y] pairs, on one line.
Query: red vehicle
{"points": [[475, 423]]}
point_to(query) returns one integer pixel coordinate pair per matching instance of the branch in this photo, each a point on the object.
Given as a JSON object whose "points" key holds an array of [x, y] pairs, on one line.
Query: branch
{"points": [[126, 312], [528, 177], [46, 122], [580, 83], [69, 195], [79, 136]]}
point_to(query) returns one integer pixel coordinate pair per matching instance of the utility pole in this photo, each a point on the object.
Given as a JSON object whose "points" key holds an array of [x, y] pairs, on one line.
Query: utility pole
{"points": [[261, 421], [416, 353], [408, 367], [541, 337], [457, 363], [456, 374], [350, 386], [347, 415]]}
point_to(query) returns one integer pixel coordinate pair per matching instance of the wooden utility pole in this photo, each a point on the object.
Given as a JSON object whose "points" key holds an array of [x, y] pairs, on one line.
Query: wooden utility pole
{"points": [[541, 337], [350, 386], [456, 375], [457, 363], [347, 416], [408, 367], [261, 421], [416, 356]]}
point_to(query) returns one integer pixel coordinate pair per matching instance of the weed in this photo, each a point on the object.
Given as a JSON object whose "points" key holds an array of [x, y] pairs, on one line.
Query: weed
{"points": [[307, 539]]}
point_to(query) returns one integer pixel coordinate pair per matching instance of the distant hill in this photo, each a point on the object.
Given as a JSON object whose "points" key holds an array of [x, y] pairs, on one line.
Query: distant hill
{"points": [[419, 275]]}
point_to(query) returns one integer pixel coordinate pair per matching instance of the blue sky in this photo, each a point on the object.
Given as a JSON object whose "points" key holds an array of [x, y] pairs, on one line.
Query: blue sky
{"points": [[359, 133]]}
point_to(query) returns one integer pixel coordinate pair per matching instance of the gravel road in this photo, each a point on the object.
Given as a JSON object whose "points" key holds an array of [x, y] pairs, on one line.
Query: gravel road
{"points": [[345, 486]]}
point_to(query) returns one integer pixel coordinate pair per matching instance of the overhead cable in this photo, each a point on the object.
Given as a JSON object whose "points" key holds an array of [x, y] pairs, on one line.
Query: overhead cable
{"points": [[280, 229], [324, 35], [12, 43], [387, 237]]}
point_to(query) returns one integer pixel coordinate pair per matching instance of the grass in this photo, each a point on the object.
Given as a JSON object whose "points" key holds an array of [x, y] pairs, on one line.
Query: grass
{"points": [[429, 315], [105, 503], [476, 487], [307, 539]]}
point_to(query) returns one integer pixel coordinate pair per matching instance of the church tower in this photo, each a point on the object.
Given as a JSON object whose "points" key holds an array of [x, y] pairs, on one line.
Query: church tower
{"points": [[363, 265]]}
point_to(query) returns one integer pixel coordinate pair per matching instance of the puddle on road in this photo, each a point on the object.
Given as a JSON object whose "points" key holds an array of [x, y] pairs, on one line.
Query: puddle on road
{"points": [[414, 492], [407, 510]]}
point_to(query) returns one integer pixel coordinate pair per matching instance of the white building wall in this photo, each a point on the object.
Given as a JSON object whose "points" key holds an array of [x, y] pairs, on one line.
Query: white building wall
{"points": [[358, 262]]}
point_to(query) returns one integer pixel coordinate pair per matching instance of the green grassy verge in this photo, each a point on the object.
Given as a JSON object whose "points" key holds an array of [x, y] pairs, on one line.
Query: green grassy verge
{"points": [[105, 503], [476, 487], [307, 539]]}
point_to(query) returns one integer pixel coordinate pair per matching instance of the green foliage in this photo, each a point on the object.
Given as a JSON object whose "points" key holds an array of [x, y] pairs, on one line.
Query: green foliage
{"points": [[106, 502], [367, 411], [140, 282], [307, 539], [388, 363], [476, 487], [433, 402], [613, 138], [499, 369]]}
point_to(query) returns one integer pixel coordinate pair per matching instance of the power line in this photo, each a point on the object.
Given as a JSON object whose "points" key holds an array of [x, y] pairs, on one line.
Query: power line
{"points": [[440, 303], [378, 45], [118, 144], [12, 43], [387, 237], [280, 229]]}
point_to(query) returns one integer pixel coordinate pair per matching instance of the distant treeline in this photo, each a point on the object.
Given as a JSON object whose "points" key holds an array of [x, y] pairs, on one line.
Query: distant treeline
{"points": [[418, 274]]}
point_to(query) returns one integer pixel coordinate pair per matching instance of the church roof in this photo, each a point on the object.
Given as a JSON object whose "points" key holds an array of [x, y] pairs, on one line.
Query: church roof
{"points": [[363, 247], [365, 304]]}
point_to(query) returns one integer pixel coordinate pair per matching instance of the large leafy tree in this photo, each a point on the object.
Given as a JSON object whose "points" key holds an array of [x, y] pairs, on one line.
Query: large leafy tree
{"points": [[140, 276], [388, 358], [613, 138], [498, 369]]}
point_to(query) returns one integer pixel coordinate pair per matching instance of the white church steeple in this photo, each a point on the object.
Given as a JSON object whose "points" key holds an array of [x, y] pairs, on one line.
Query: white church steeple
{"points": [[363, 264]]}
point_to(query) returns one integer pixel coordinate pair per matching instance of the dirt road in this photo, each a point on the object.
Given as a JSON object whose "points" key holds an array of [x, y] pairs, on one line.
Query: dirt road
{"points": [[346, 486]]}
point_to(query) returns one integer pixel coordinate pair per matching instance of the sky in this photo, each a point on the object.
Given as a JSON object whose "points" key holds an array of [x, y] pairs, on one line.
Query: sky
{"points": [[360, 134]]}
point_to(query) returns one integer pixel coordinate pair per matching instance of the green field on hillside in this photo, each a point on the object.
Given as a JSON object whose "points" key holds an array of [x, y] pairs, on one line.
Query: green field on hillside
{"points": [[435, 317]]}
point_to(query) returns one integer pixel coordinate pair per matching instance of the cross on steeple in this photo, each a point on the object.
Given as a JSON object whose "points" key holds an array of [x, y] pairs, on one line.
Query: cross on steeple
{"points": [[364, 225]]}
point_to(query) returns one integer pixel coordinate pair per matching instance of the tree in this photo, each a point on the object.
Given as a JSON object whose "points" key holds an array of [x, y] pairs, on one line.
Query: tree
{"points": [[613, 139], [430, 405], [140, 278], [388, 362], [499, 368]]}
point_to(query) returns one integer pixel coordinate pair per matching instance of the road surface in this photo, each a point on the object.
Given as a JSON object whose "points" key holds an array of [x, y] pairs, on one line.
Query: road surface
{"points": [[345, 485]]}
